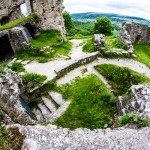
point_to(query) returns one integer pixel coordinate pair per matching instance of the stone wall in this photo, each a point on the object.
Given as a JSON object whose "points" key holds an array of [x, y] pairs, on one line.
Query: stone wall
{"points": [[134, 33], [10, 89], [137, 101], [18, 37], [50, 12]]}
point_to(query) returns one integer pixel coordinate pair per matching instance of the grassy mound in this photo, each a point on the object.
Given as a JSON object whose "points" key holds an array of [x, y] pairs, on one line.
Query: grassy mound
{"points": [[121, 78], [142, 52], [92, 106], [47, 45]]}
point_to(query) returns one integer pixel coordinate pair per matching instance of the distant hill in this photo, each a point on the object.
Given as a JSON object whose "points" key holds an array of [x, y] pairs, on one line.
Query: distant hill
{"points": [[115, 18]]}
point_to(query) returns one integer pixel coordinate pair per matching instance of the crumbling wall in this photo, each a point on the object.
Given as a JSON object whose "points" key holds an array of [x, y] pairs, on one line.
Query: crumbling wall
{"points": [[10, 8], [18, 37], [50, 12], [10, 102], [135, 33]]}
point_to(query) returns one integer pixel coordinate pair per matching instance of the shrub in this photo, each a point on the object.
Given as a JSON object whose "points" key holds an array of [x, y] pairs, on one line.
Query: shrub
{"points": [[103, 25], [17, 67]]}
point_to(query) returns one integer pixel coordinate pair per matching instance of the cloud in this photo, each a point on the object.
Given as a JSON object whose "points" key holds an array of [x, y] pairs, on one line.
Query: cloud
{"points": [[139, 8]]}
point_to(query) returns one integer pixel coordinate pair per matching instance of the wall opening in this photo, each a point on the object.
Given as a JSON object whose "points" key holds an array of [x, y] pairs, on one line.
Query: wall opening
{"points": [[6, 51], [33, 30], [23, 8], [137, 39]]}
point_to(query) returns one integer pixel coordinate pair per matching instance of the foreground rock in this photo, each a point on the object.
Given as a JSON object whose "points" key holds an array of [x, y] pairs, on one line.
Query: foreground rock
{"points": [[54, 138], [138, 101], [10, 102]]}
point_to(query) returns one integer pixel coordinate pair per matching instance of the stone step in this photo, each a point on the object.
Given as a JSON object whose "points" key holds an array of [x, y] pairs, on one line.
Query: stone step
{"points": [[45, 111], [49, 104], [39, 115], [57, 98]]}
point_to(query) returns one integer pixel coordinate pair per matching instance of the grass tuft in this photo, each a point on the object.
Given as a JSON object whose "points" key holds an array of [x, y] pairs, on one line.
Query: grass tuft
{"points": [[89, 46], [17, 67]]}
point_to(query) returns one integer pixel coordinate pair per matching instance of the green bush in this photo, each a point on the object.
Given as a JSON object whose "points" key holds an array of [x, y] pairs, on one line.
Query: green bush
{"points": [[32, 80], [121, 78], [17, 67], [89, 46], [104, 26], [92, 105]]}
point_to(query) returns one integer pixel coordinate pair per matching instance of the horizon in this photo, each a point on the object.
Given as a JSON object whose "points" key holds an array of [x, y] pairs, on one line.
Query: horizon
{"points": [[134, 8]]}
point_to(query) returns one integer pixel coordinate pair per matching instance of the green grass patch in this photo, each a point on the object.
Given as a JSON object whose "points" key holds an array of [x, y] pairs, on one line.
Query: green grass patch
{"points": [[92, 105], [17, 67], [32, 80], [121, 78], [89, 46], [112, 42], [46, 46], [17, 22], [142, 52], [132, 118]]}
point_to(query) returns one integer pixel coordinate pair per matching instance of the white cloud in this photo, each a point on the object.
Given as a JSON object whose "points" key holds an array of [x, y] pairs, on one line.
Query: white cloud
{"points": [[139, 8]]}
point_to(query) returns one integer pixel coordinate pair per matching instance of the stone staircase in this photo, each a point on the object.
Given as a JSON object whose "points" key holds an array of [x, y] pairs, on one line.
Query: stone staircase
{"points": [[53, 106]]}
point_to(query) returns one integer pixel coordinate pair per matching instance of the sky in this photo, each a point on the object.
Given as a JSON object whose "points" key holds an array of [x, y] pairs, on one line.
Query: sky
{"points": [[139, 8]]}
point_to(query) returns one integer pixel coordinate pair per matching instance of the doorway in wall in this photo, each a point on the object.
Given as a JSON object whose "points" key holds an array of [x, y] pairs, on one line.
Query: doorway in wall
{"points": [[6, 51]]}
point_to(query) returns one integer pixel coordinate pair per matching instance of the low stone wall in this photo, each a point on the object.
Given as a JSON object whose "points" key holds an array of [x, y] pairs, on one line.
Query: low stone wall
{"points": [[73, 64]]}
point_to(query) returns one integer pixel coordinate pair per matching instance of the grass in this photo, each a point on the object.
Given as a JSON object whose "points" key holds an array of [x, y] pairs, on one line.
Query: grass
{"points": [[19, 21], [47, 46], [121, 78], [89, 46], [17, 67], [132, 118], [112, 42], [32, 80], [2, 67], [142, 52], [92, 105]]}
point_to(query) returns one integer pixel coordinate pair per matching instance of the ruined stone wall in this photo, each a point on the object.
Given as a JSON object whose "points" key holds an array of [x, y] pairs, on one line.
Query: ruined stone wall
{"points": [[50, 12], [10, 89], [10, 8], [137, 33]]}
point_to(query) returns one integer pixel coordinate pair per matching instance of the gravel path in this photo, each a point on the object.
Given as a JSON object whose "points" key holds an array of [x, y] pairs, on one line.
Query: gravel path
{"points": [[76, 52]]}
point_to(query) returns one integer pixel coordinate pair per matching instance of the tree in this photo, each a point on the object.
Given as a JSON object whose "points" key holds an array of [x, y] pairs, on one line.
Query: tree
{"points": [[68, 21], [103, 25]]}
